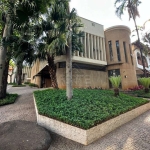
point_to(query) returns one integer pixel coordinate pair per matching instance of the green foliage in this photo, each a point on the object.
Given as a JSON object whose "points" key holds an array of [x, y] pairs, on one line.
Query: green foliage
{"points": [[15, 85], [26, 82], [115, 81], [33, 85], [9, 99], [87, 108], [139, 93], [145, 82]]}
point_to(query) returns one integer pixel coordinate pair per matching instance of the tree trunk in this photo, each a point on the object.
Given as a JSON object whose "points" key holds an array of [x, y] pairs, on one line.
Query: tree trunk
{"points": [[3, 51], [4, 81], [52, 71], [116, 92], [69, 90], [19, 74]]}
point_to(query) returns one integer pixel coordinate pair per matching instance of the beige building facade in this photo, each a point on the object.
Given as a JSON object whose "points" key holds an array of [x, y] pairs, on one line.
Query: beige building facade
{"points": [[105, 54], [119, 55]]}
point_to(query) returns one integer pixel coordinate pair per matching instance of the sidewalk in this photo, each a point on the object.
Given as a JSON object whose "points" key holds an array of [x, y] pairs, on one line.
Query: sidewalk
{"points": [[134, 135]]}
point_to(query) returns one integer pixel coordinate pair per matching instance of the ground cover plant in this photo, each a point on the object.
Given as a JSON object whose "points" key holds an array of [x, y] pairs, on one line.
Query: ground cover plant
{"points": [[33, 85], [87, 108], [140, 93], [9, 99], [15, 85]]}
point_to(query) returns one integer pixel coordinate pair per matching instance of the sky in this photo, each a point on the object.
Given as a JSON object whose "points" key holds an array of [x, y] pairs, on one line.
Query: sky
{"points": [[103, 12]]}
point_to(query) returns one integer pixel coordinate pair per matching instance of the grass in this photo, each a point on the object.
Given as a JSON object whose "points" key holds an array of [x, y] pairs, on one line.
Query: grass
{"points": [[9, 99], [140, 93], [87, 108]]}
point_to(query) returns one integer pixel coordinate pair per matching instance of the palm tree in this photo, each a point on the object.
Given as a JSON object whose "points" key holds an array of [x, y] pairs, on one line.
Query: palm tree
{"points": [[15, 13], [55, 41], [132, 7]]}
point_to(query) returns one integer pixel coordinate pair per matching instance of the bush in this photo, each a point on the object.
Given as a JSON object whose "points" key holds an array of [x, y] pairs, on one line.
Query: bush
{"points": [[115, 81], [11, 83], [145, 82], [9, 99], [33, 85], [135, 88], [15, 85], [26, 82], [87, 108]]}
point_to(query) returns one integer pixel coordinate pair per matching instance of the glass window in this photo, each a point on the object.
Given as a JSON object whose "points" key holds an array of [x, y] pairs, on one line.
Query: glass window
{"points": [[118, 50], [125, 51], [110, 50]]}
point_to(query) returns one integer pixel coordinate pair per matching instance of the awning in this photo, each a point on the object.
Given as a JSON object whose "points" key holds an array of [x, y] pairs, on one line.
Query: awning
{"points": [[44, 70]]}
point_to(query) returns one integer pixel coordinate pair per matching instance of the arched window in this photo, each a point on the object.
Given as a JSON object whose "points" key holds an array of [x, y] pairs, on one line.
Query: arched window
{"points": [[139, 58]]}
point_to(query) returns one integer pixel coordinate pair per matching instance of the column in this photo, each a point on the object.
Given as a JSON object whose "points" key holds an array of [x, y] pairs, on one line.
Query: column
{"points": [[81, 53], [101, 44], [91, 46], [95, 47], [98, 49], [85, 50], [104, 50], [88, 45]]}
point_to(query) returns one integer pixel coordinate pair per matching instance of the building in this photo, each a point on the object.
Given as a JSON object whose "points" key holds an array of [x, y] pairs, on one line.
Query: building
{"points": [[105, 53], [26, 74], [138, 61], [119, 55]]}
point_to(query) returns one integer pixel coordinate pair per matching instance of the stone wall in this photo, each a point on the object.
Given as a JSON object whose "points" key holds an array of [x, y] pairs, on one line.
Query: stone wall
{"points": [[83, 78]]}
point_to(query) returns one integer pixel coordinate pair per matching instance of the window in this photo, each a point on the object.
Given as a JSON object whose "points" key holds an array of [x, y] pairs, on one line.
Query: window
{"points": [[118, 50], [131, 54], [110, 50], [125, 52]]}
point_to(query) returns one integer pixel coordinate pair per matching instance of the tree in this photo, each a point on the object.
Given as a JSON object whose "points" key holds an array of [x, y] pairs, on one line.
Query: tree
{"points": [[15, 13], [55, 42], [132, 7]]}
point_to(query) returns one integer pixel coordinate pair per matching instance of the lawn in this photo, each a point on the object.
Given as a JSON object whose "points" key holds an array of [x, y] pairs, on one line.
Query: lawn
{"points": [[87, 108], [9, 99]]}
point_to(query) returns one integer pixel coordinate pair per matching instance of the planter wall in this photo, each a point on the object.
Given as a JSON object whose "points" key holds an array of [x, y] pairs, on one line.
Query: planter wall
{"points": [[86, 137]]}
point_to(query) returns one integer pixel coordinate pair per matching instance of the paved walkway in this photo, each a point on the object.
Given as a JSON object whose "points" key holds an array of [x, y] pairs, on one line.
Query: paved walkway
{"points": [[134, 135]]}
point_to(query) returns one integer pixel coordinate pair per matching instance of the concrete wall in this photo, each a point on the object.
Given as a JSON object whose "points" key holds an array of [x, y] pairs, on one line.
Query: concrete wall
{"points": [[127, 69], [92, 27], [83, 78]]}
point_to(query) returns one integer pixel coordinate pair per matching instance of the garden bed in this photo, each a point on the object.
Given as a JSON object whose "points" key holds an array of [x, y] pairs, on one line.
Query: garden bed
{"points": [[9, 99], [139, 93], [88, 116]]}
